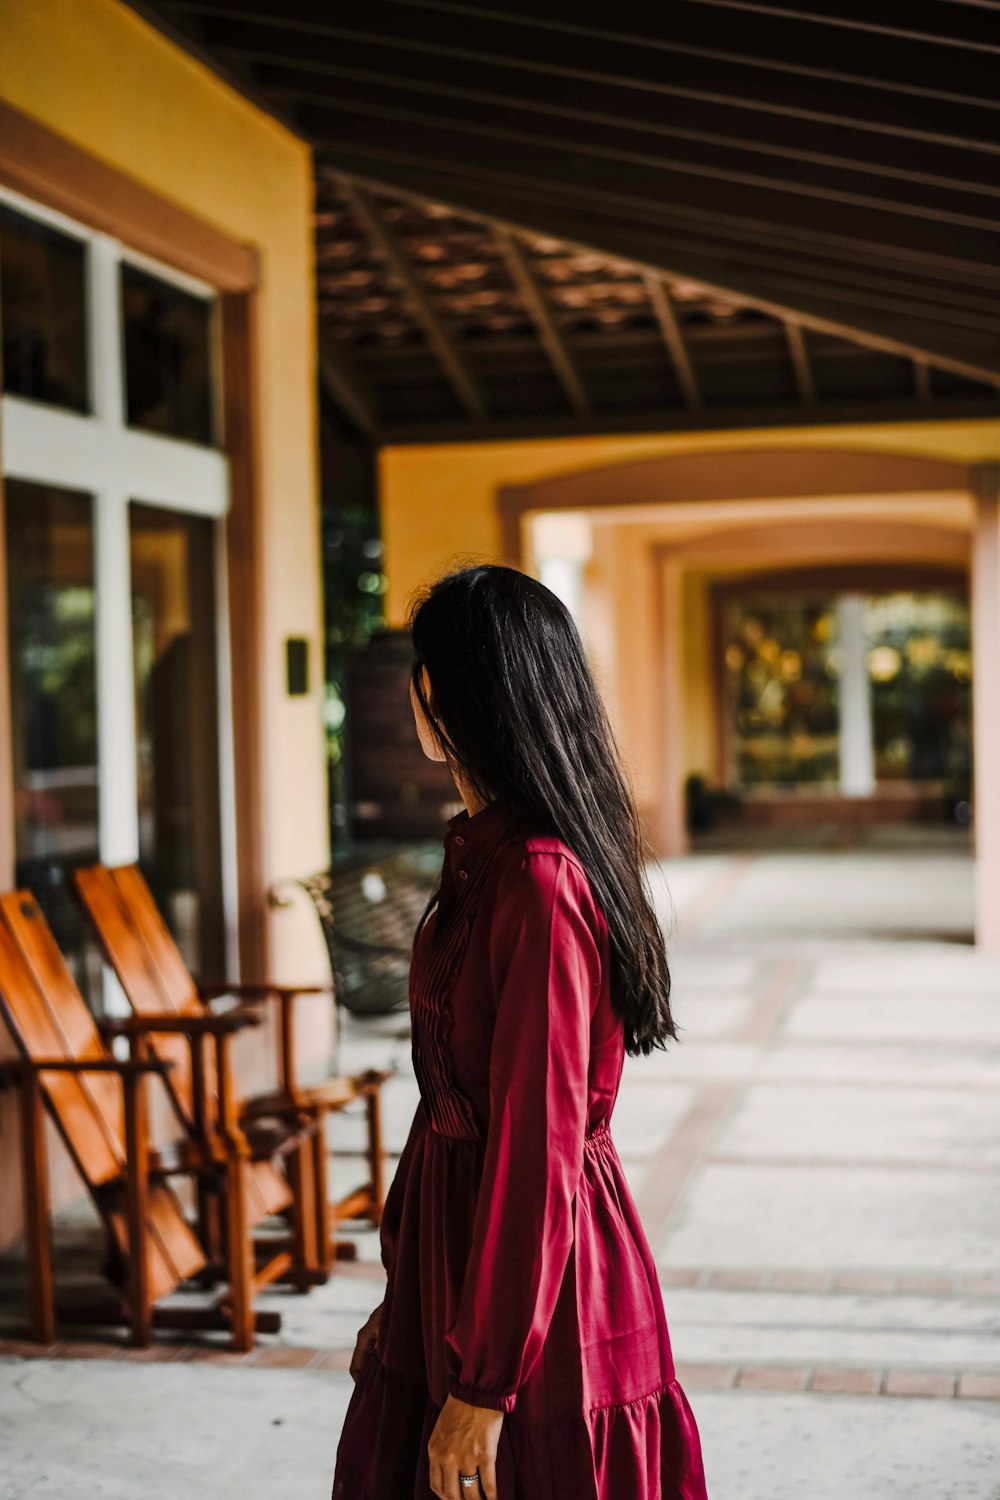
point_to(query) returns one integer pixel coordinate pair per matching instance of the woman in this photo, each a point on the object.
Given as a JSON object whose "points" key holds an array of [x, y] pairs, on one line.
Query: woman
{"points": [[521, 1351]]}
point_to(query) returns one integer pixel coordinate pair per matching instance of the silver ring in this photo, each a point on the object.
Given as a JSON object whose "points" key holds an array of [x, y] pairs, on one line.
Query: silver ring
{"points": [[466, 1479]]}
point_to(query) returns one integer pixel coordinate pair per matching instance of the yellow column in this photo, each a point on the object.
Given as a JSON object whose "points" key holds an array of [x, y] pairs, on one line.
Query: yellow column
{"points": [[986, 703]]}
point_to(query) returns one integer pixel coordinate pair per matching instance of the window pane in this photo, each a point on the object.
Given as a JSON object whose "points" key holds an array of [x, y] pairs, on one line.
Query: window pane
{"points": [[43, 312], [50, 591], [168, 358], [920, 665], [783, 691], [173, 621]]}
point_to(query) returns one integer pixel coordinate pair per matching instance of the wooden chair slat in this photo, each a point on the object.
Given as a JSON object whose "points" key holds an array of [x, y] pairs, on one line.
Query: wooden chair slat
{"points": [[173, 1253], [268, 1191], [68, 1012], [141, 979], [97, 1148], [176, 980]]}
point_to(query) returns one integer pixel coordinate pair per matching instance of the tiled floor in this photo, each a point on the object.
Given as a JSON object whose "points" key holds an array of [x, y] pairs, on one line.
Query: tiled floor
{"points": [[816, 1167]]}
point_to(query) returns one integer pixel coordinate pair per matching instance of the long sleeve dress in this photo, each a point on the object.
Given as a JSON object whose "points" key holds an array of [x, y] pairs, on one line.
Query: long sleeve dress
{"points": [[519, 1274]]}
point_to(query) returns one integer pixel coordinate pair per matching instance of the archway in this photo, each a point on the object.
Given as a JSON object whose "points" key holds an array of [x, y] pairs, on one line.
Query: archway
{"points": [[776, 511]]}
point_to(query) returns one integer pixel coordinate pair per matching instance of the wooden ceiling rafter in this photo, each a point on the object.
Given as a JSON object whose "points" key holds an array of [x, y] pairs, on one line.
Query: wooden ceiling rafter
{"points": [[553, 341], [346, 385], [799, 355], [371, 220], [673, 338]]}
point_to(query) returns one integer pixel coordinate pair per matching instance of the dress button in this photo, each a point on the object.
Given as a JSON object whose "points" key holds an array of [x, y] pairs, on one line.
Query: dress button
{"points": [[463, 874], [459, 839]]}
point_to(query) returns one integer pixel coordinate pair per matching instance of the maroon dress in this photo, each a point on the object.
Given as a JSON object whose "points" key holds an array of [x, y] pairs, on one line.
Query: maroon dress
{"points": [[519, 1274]]}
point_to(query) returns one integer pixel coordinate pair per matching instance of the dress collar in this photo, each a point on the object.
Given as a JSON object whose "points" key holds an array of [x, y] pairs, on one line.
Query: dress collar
{"points": [[470, 838]]}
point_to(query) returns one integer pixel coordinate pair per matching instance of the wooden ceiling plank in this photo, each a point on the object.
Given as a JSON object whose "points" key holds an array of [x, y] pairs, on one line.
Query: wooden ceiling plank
{"points": [[346, 385], [814, 196], [811, 220], [884, 65], [386, 242], [670, 328], [693, 99], [916, 23], [555, 346], [811, 311], [879, 147], [799, 357]]}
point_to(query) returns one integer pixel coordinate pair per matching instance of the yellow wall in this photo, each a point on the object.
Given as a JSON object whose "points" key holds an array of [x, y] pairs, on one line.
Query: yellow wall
{"points": [[438, 501], [439, 508], [94, 72]]}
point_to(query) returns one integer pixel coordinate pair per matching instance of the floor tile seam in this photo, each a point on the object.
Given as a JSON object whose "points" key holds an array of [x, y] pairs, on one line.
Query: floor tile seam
{"points": [[774, 1376]]}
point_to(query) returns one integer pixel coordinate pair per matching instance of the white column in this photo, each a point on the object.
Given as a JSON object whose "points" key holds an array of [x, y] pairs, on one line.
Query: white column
{"points": [[118, 794], [986, 704], [564, 576], [562, 544], [857, 748]]}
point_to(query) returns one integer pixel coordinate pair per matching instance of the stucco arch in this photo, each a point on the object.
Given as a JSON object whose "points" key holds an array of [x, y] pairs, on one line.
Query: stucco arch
{"points": [[737, 474]]}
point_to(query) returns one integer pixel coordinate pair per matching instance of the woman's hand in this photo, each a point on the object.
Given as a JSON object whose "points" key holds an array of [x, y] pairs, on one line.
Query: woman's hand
{"points": [[365, 1342], [464, 1439]]}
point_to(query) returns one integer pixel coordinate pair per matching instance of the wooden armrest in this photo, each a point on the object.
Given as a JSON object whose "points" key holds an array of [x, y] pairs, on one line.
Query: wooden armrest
{"points": [[262, 991], [125, 1067], [173, 1024]]}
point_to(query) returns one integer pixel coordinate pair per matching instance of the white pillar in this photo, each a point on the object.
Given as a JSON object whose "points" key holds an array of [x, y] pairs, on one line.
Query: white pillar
{"points": [[986, 704], [564, 576], [563, 542], [857, 749]]}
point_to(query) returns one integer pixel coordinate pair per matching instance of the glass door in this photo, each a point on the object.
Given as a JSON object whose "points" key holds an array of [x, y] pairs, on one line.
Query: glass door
{"points": [[51, 632], [175, 662]]}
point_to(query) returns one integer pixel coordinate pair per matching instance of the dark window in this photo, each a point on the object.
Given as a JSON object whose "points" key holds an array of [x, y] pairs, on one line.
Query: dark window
{"points": [[176, 699], [43, 312], [168, 358], [53, 693]]}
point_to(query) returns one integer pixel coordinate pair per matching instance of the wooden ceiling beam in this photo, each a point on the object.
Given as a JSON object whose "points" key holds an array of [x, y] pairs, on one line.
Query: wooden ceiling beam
{"points": [[966, 27], [799, 356], [670, 328], [755, 47], [963, 190], [682, 118], [386, 242], [954, 139], [531, 295], [714, 419], [346, 385]]}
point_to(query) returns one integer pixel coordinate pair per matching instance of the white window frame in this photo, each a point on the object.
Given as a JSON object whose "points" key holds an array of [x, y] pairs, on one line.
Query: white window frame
{"points": [[98, 454]]}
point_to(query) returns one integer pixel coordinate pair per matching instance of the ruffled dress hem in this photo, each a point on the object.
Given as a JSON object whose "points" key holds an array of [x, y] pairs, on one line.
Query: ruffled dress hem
{"points": [[647, 1448]]}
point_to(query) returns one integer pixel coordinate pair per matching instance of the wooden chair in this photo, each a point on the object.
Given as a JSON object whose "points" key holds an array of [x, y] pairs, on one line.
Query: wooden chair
{"points": [[155, 978], [98, 1105]]}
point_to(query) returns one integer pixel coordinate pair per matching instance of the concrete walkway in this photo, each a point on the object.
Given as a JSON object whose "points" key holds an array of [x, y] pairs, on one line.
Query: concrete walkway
{"points": [[816, 1167]]}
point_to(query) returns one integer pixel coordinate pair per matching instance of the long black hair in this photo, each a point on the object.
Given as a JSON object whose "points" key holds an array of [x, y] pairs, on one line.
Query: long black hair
{"points": [[516, 709]]}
